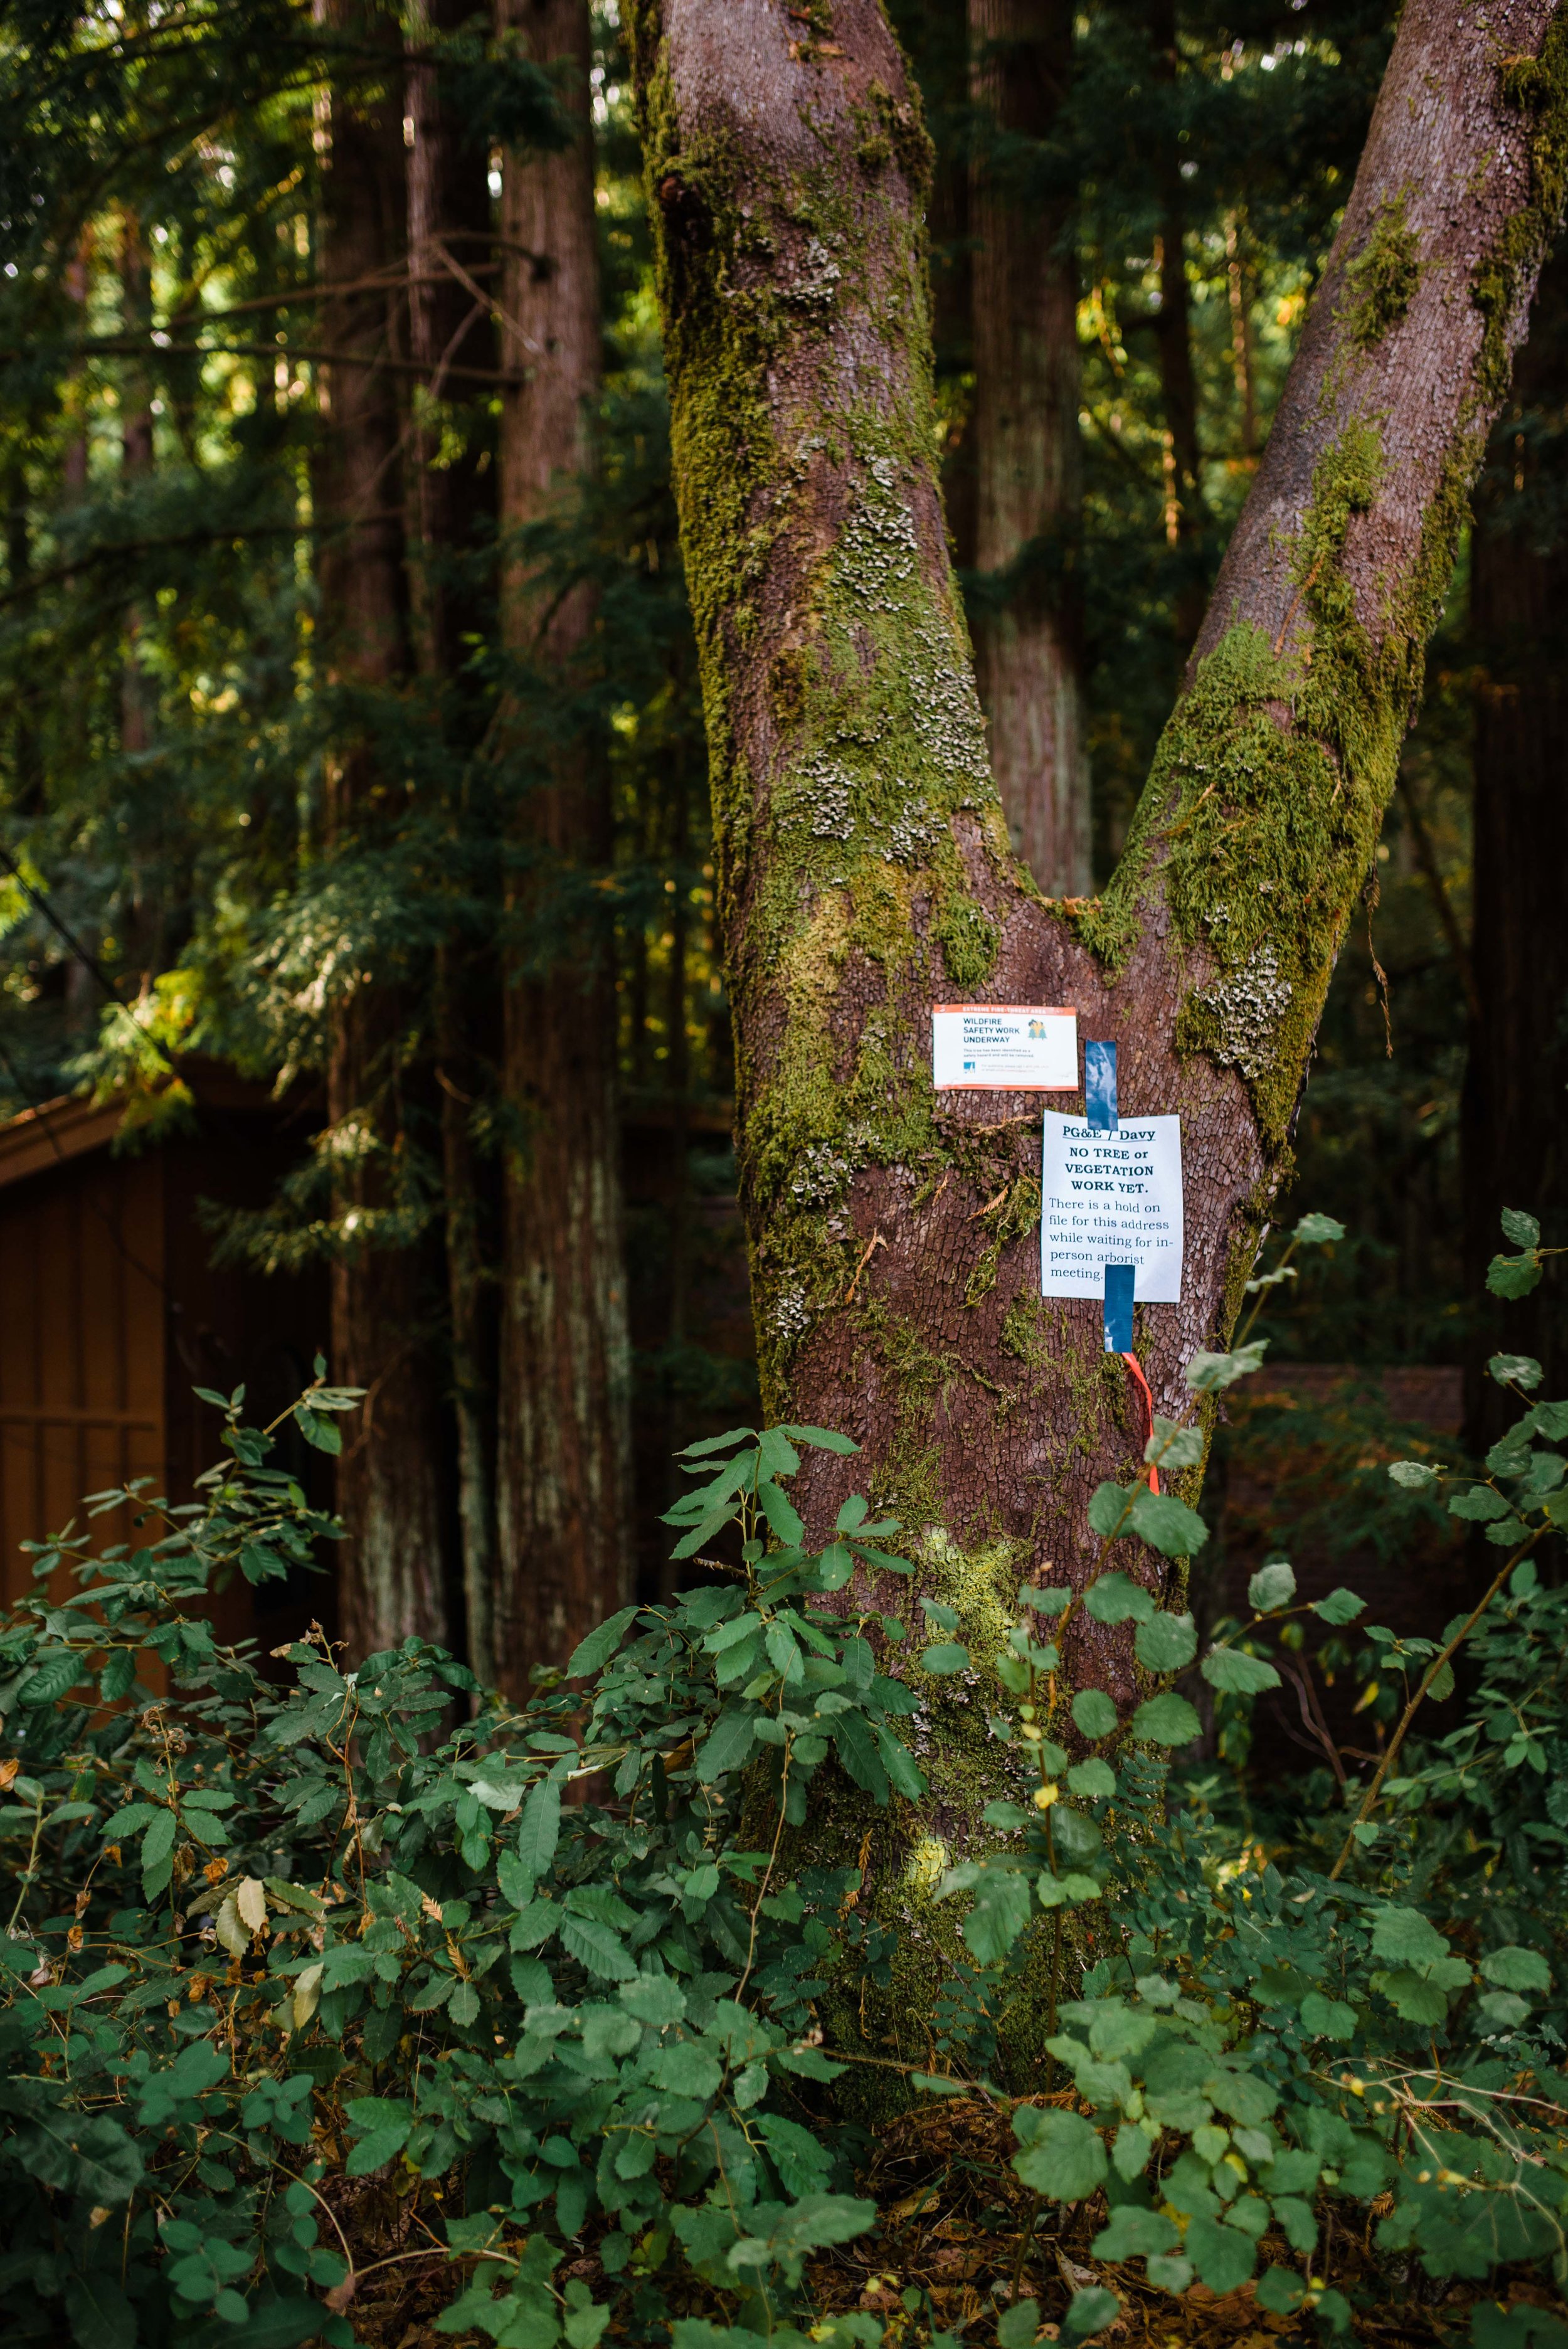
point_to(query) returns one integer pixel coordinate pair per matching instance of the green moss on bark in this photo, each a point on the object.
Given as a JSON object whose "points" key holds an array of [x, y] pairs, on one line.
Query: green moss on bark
{"points": [[1380, 282]]}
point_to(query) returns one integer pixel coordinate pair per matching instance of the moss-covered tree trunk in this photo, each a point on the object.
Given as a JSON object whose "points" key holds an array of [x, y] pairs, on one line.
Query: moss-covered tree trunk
{"points": [[564, 1418], [864, 864], [1029, 472]]}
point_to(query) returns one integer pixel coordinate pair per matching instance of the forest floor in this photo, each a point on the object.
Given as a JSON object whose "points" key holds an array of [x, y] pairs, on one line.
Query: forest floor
{"points": [[952, 2249]]}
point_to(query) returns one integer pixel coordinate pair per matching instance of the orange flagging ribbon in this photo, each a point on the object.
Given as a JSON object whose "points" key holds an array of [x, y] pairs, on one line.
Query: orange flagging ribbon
{"points": [[1146, 1412]]}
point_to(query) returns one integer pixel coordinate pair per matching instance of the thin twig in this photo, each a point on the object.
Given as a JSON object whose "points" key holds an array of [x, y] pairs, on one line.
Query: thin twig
{"points": [[1368, 1800], [875, 1241]]}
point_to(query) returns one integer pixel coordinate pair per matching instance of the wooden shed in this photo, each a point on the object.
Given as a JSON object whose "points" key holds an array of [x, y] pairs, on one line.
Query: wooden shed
{"points": [[113, 1311]]}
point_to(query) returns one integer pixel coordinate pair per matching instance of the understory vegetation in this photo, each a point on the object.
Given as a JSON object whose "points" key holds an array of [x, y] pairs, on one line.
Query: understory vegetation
{"points": [[359, 2006]]}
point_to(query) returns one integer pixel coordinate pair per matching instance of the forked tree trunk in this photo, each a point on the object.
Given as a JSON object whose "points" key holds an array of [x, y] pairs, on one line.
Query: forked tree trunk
{"points": [[564, 1471], [1027, 650], [1516, 1132], [864, 865], [391, 1577]]}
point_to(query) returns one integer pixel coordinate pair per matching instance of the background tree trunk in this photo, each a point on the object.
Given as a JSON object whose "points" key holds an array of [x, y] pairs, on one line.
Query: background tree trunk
{"points": [[1027, 649], [1173, 333], [391, 1580], [565, 1440], [864, 864], [452, 263], [1515, 1121]]}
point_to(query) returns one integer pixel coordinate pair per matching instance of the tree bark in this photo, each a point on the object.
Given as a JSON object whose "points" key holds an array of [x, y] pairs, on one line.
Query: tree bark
{"points": [[392, 1579], [1029, 647], [1514, 1145], [564, 1439], [450, 264], [1174, 335], [863, 861]]}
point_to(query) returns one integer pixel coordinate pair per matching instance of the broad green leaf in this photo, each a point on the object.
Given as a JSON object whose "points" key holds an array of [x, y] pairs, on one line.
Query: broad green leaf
{"points": [[1515, 1370], [1480, 1506], [1018, 2325], [1168, 1525], [1090, 2311], [1173, 2274], [1223, 2256], [1407, 1936], [539, 1830], [784, 1651], [1414, 1475], [1273, 1585], [1166, 1644], [1061, 2157], [1094, 1714], [1279, 2291], [516, 1881], [654, 1998], [1116, 2029], [725, 1443], [1513, 1276], [946, 1656], [686, 2068], [1318, 1231], [1207, 1373], [463, 2006], [1133, 2233], [1239, 1674], [590, 1655], [1521, 1228], [1412, 1995], [824, 1438], [374, 2151], [783, 1519], [598, 1947], [1116, 1598], [51, 1678], [1094, 1780], [1327, 2018], [159, 1841], [1171, 1446], [1108, 1507], [727, 1743], [779, 1458], [1167, 1720], [1341, 1606], [1516, 1969], [1001, 1911]]}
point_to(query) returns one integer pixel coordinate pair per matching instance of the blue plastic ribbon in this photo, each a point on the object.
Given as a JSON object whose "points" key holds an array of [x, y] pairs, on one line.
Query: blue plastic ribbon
{"points": [[1119, 1280], [1099, 1087]]}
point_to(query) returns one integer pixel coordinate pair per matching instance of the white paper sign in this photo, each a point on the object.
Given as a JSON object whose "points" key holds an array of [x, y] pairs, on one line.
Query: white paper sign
{"points": [[1016, 1048], [1111, 1198]]}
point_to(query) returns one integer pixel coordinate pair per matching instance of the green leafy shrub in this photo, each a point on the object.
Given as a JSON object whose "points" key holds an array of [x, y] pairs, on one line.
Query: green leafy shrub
{"points": [[285, 1956]]}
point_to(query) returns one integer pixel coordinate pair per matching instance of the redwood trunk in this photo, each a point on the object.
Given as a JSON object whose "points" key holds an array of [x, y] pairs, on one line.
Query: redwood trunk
{"points": [[864, 866], [565, 1435], [1174, 335], [392, 1579], [1514, 1127], [1027, 643], [451, 290]]}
